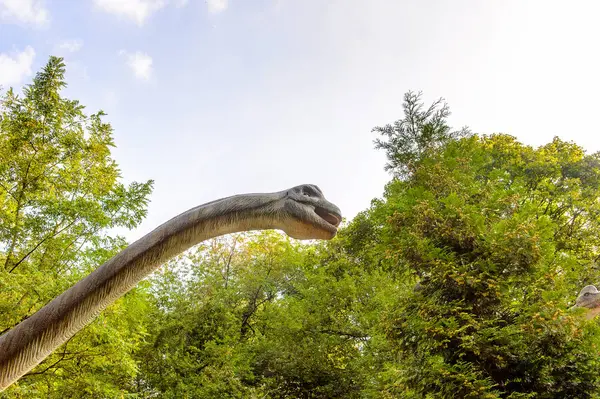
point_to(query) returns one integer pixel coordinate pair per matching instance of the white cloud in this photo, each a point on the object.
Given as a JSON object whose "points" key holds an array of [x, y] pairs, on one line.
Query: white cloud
{"points": [[216, 6], [16, 66], [140, 63], [24, 11], [136, 10], [71, 45]]}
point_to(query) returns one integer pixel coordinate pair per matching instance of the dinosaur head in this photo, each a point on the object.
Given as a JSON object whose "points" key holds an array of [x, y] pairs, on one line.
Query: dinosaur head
{"points": [[308, 215], [589, 299]]}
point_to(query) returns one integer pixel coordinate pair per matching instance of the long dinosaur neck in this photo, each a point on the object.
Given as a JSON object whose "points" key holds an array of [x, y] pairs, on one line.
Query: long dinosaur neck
{"points": [[27, 344]]}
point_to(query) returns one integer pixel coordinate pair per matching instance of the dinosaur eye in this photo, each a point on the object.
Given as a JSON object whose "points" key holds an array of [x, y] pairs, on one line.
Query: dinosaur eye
{"points": [[586, 294], [310, 191]]}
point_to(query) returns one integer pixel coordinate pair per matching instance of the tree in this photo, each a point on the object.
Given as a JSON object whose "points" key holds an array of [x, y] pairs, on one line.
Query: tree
{"points": [[208, 306], [497, 238], [259, 316], [420, 131], [60, 195]]}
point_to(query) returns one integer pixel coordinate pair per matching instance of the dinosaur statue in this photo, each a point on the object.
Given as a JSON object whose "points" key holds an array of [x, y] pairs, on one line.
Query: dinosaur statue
{"points": [[301, 212], [589, 298]]}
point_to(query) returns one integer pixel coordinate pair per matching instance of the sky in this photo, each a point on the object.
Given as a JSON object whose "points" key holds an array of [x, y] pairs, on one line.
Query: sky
{"points": [[211, 98]]}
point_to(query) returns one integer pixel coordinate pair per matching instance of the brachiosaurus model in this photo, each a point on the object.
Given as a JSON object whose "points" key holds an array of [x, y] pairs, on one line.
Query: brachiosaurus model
{"points": [[301, 212]]}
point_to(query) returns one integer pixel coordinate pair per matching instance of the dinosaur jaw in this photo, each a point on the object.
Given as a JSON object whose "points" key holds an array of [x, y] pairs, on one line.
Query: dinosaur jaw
{"points": [[312, 221], [334, 219]]}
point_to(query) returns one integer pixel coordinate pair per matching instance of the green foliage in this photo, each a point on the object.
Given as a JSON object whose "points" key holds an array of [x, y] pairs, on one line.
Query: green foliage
{"points": [[500, 237], [420, 130], [254, 318], [194, 350], [60, 192]]}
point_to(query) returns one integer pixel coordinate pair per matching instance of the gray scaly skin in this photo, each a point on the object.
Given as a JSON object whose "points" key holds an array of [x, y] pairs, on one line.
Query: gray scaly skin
{"points": [[301, 212], [589, 298]]}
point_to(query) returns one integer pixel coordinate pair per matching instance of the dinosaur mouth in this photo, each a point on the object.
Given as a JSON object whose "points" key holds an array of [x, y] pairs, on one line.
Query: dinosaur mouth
{"points": [[332, 218], [592, 305]]}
